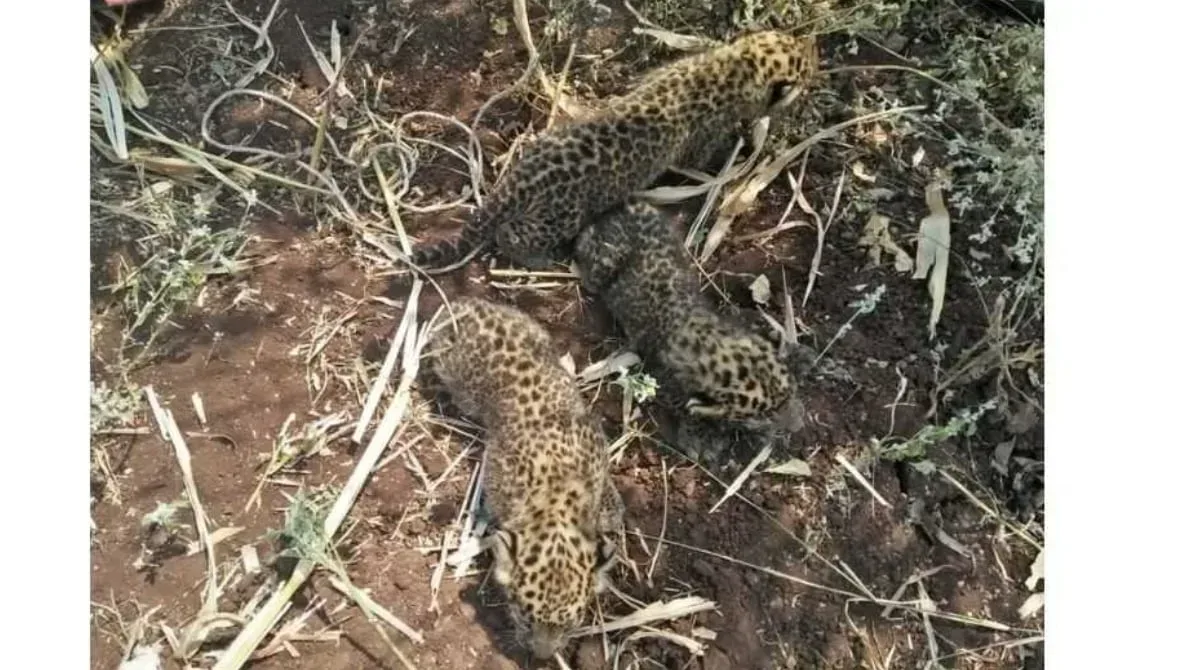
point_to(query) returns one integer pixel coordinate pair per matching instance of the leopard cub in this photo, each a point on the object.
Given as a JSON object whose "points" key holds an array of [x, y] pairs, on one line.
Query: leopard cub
{"points": [[546, 482], [677, 115], [723, 381]]}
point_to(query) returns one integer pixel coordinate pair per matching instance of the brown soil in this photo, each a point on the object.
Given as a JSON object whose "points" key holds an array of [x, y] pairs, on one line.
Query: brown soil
{"points": [[243, 361]]}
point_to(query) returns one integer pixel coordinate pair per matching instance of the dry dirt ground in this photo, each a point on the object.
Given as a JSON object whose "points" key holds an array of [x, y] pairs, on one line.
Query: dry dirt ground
{"points": [[298, 329]]}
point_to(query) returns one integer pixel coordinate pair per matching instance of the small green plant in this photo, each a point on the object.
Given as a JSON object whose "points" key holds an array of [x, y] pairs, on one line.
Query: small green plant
{"points": [[641, 386], [163, 534], [164, 516], [303, 532], [171, 251], [916, 448], [114, 407]]}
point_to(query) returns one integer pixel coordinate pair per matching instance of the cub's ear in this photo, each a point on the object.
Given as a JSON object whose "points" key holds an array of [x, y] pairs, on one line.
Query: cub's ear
{"points": [[504, 546]]}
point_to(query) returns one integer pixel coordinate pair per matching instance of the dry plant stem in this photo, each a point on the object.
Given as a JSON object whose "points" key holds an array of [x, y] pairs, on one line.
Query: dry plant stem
{"points": [[327, 103], [710, 200], [376, 392], [263, 38], [253, 633], [737, 483], [208, 161], [393, 210], [372, 608], [183, 456], [656, 611], [558, 89], [521, 20], [858, 477], [1019, 532], [822, 228]]}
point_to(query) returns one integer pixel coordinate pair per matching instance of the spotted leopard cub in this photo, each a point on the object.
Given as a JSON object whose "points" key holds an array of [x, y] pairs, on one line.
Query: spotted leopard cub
{"points": [[677, 115], [546, 483], [723, 381]]}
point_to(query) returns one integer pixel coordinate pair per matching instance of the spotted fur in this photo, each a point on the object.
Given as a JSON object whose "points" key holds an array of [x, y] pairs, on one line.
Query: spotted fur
{"points": [[721, 379], [677, 115], [546, 479]]}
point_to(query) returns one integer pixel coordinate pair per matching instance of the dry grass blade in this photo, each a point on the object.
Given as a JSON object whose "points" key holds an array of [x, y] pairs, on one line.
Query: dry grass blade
{"points": [[742, 198], [376, 392], [677, 40], [710, 200], [521, 20], [822, 228], [665, 195], [108, 103], [736, 484], [374, 608], [861, 480], [262, 35], [1019, 532], [195, 633], [269, 614], [933, 251], [656, 611]]}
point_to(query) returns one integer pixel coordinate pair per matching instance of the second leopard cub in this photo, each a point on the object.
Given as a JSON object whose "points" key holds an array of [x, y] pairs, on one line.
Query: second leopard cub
{"points": [[546, 480], [721, 379], [678, 114]]}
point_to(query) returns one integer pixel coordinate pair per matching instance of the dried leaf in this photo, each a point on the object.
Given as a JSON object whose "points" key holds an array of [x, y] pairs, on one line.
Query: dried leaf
{"points": [[878, 238], [933, 251], [860, 171], [760, 290], [131, 85], [1037, 571], [794, 467], [143, 658], [918, 156], [1032, 605]]}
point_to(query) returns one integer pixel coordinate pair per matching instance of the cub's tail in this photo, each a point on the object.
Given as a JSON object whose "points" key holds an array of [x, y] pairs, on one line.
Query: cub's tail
{"points": [[447, 255]]}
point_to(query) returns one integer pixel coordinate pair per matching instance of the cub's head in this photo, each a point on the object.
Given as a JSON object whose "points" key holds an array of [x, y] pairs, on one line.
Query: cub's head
{"points": [[747, 383], [550, 574], [782, 65]]}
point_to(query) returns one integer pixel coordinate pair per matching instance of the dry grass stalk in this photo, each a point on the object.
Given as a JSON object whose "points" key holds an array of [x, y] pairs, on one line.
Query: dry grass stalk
{"points": [[262, 39], [736, 484], [656, 611], [858, 477], [269, 614], [376, 392], [822, 228], [196, 632], [374, 608], [986, 509], [761, 174]]}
